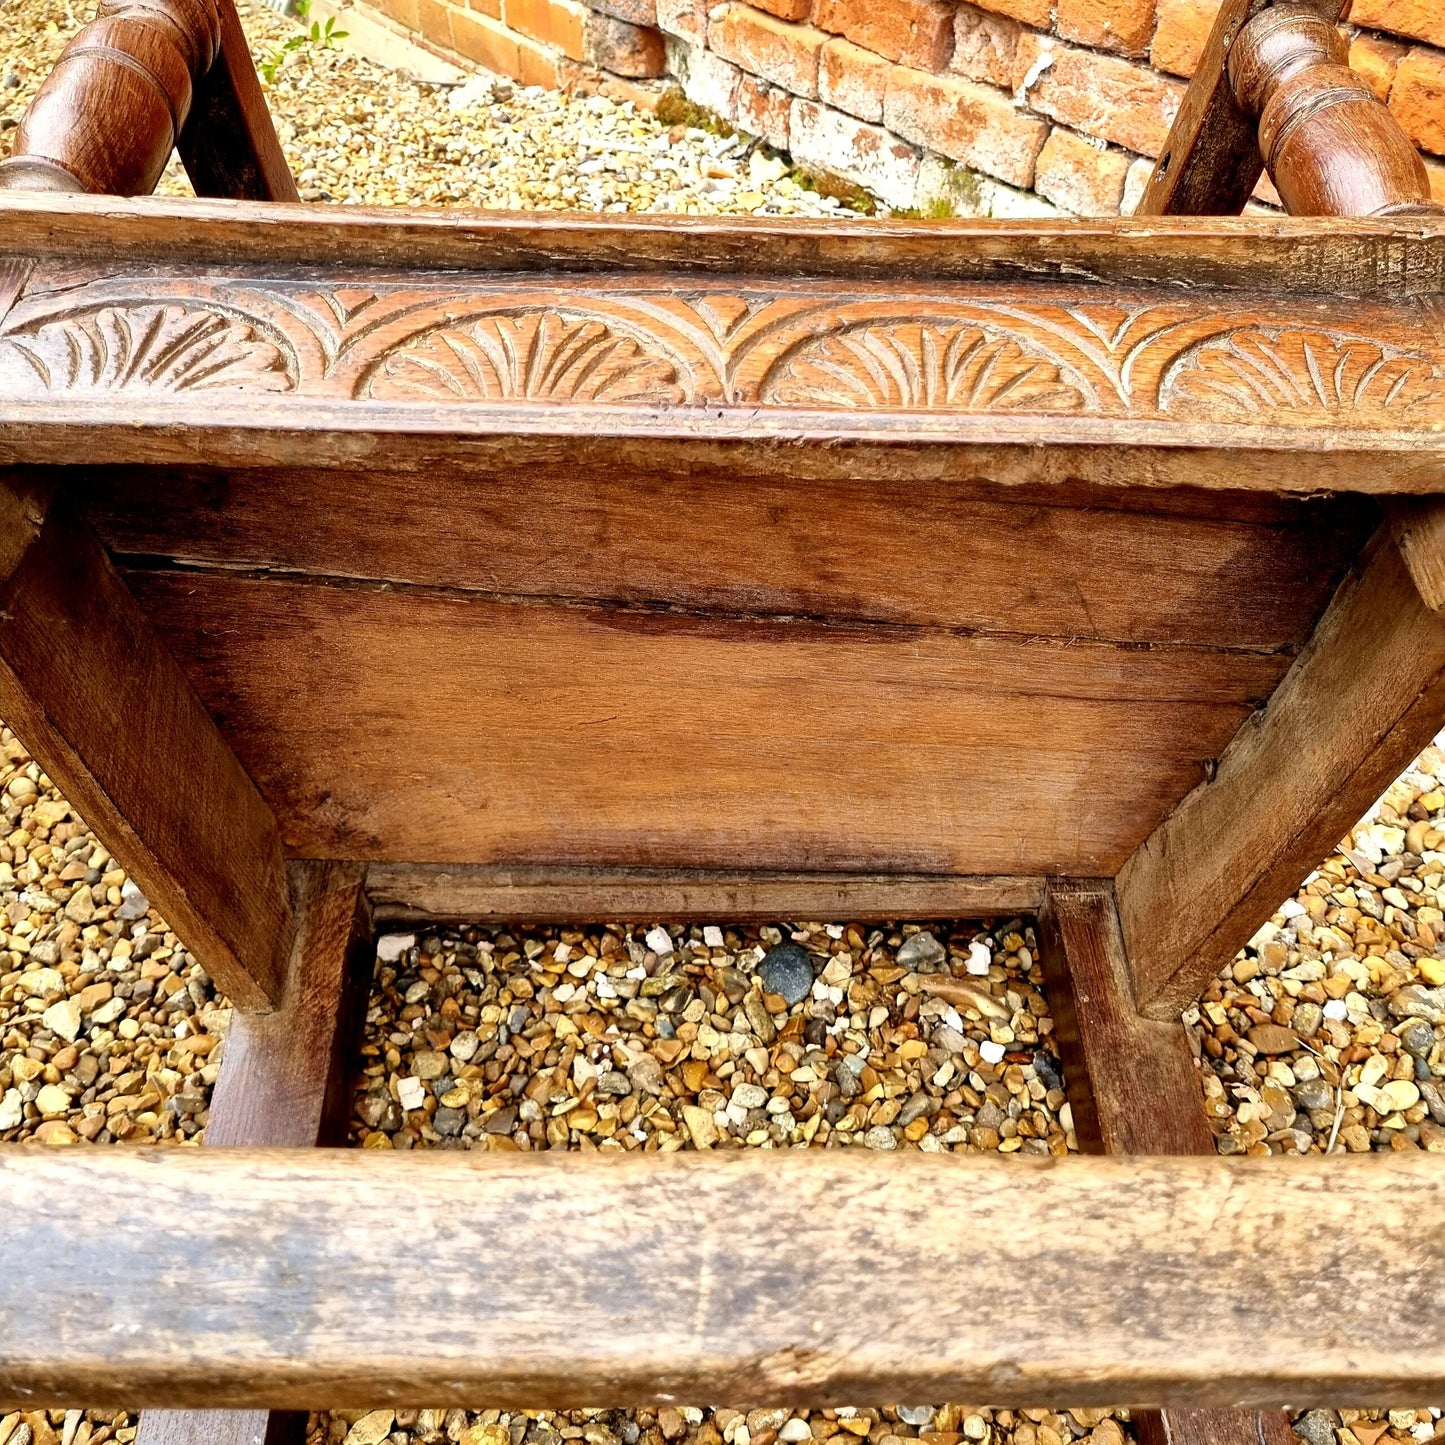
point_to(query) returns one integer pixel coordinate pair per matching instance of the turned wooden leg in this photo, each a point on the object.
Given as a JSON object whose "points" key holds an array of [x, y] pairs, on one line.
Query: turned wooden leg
{"points": [[285, 1080], [1133, 1089]]}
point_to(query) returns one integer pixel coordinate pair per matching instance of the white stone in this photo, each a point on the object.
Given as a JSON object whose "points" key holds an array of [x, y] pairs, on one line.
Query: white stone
{"points": [[391, 946], [12, 1110], [980, 957], [1335, 1009], [990, 1052], [659, 940], [712, 935], [133, 903], [40, 981], [63, 1018], [411, 1093]]}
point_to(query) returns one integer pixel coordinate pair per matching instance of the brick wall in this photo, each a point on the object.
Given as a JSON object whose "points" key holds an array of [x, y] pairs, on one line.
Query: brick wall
{"points": [[978, 107]]}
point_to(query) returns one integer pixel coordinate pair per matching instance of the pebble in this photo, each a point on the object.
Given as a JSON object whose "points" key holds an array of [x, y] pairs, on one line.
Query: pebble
{"points": [[371, 1429], [659, 940], [392, 946], [921, 948], [880, 1137], [787, 972]]}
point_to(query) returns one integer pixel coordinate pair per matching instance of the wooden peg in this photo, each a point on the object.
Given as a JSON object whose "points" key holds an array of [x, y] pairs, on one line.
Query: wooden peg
{"points": [[1331, 147], [109, 114]]}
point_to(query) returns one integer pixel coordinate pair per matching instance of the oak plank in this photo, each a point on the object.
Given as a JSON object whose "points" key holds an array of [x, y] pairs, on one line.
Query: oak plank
{"points": [[229, 145], [417, 893], [1419, 528], [1365, 695], [1133, 1089], [1299, 256], [285, 1082], [547, 735], [352, 1278], [861, 548], [98, 700]]}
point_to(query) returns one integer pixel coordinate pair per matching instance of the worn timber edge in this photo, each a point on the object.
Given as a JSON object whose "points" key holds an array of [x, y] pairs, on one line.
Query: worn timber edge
{"points": [[419, 893], [301, 1278], [1334, 257]]}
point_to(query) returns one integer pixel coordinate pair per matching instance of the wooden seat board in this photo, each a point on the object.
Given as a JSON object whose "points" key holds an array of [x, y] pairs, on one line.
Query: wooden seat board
{"points": [[386, 723], [1069, 562]]}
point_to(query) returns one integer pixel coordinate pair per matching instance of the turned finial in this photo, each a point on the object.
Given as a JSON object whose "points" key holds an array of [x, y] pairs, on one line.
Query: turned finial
{"points": [[1330, 146], [109, 114]]}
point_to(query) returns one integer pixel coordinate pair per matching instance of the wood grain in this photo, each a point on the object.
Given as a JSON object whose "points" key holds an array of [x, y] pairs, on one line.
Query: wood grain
{"points": [[403, 893], [1365, 695], [1331, 146], [355, 1278], [1419, 528], [858, 548], [229, 144], [98, 700], [107, 117], [398, 724], [1381, 258], [285, 1081], [1211, 161], [1134, 1089]]}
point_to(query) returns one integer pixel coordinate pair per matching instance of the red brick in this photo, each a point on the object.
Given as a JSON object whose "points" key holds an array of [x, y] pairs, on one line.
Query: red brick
{"points": [[634, 12], [687, 19], [1417, 98], [772, 48], [1375, 59], [1080, 175], [486, 7], [633, 50], [763, 111], [1101, 95], [486, 41], [541, 65], [853, 79], [912, 32], [984, 46], [554, 22], [967, 122], [434, 23], [1419, 19], [1181, 33], [1038, 13], [404, 12], [825, 139], [1123, 25], [709, 81], [786, 9]]}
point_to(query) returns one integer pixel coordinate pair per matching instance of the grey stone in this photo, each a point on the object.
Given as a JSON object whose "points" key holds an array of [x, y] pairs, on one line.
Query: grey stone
{"points": [[464, 1046], [1317, 1427], [133, 903], [81, 906], [1415, 1001], [1417, 1038], [614, 1084], [848, 1072], [948, 1039], [1315, 1094], [1049, 1068], [788, 972], [646, 1075], [1434, 1097], [921, 949], [46, 952], [880, 1136], [1307, 1019], [917, 1415], [448, 1122], [503, 1121], [917, 1106]]}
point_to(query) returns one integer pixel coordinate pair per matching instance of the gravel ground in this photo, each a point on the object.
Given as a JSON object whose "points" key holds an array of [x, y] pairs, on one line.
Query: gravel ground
{"points": [[358, 134], [1326, 1034]]}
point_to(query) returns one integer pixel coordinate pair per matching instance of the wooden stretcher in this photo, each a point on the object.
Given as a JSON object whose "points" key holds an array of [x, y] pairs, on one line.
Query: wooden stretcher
{"points": [[361, 568]]}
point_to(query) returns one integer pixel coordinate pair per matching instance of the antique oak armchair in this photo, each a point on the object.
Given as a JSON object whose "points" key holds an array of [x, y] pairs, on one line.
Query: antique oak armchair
{"points": [[1091, 570]]}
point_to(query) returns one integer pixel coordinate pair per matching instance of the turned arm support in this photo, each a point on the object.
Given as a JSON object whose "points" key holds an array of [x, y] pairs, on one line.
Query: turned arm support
{"points": [[110, 113], [1330, 146]]}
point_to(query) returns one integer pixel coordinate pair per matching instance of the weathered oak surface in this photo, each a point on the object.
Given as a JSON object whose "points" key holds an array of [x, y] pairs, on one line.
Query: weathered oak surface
{"points": [[351, 1279], [414, 893], [101, 703], [648, 738], [1364, 697], [1134, 1089]]}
